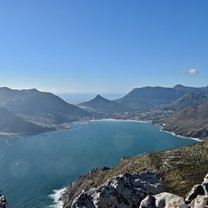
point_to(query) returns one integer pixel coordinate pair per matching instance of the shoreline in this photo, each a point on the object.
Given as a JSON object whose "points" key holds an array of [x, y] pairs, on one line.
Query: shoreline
{"points": [[59, 192], [121, 120], [56, 196], [148, 122], [10, 134], [76, 124], [180, 136]]}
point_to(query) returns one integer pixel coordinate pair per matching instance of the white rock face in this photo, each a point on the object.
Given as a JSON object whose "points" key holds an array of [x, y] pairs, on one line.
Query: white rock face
{"points": [[124, 191], [167, 200], [200, 202], [206, 179], [163, 200], [141, 190]]}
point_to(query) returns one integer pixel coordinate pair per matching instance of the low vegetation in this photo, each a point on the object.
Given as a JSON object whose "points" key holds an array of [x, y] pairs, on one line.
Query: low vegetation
{"points": [[180, 169]]}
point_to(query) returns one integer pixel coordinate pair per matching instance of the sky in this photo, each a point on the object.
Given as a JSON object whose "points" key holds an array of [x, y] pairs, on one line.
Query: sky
{"points": [[103, 46]]}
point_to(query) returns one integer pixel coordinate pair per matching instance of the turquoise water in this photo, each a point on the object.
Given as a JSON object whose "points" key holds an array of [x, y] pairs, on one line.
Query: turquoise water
{"points": [[31, 167]]}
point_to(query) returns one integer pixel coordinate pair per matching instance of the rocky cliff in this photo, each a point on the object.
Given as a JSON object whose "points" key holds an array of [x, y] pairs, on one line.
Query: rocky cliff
{"points": [[141, 190], [177, 170]]}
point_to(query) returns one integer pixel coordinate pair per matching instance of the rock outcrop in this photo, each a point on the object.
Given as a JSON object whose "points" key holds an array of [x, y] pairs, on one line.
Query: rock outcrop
{"points": [[123, 191], [201, 201], [163, 200], [195, 191], [179, 170], [142, 190]]}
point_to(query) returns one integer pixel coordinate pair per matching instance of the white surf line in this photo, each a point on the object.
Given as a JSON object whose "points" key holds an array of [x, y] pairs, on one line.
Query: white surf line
{"points": [[180, 136], [56, 195], [120, 120]]}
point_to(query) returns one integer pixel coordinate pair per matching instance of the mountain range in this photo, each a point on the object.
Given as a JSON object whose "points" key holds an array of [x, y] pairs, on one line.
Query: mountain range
{"points": [[141, 99], [32, 111], [147, 98], [181, 109]]}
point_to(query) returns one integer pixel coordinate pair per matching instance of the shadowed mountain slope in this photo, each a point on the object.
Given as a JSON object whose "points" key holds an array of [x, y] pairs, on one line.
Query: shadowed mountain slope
{"points": [[32, 111], [191, 121], [40, 107], [10, 123], [188, 100]]}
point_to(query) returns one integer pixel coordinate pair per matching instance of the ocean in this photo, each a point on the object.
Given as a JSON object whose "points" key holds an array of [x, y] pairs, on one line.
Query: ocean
{"points": [[33, 168]]}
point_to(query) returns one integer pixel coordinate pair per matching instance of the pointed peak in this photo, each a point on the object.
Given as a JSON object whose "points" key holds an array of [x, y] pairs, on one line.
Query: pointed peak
{"points": [[99, 97], [178, 86]]}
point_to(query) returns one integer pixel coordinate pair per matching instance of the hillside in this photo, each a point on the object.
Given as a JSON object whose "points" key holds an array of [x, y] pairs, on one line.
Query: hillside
{"points": [[147, 98], [188, 100], [179, 170], [191, 121], [102, 105], [10, 123], [41, 108], [32, 111]]}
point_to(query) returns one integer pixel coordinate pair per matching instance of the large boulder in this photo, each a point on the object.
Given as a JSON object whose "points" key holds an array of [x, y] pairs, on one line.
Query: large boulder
{"points": [[163, 200], [200, 202], [195, 191], [123, 191]]}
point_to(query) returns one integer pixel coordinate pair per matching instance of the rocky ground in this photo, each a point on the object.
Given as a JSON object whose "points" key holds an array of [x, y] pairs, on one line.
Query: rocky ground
{"points": [[126, 190], [141, 190], [179, 170]]}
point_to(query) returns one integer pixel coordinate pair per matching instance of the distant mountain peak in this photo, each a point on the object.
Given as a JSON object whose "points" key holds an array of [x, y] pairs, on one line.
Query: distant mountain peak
{"points": [[5, 88], [102, 105], [178, 86], [100, 97]]}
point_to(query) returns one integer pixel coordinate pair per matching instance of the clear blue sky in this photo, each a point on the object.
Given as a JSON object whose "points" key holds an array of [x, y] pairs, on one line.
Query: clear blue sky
{"points": [[103, 45]]}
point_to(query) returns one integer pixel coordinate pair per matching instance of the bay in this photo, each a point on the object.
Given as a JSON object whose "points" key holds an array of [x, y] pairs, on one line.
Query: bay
{"points": [[31, 167]]}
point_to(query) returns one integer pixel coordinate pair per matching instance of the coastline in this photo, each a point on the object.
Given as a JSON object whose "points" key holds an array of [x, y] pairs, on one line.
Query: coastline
{"points": [[10, 134], [121, 120], [180, 136], [56, 196], [58, 193], [76, 124], [147, 122]]}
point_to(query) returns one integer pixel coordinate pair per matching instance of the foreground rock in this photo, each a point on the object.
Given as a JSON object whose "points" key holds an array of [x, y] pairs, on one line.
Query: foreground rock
{"points": [[179, 169], [196, 198], [142, 190], [123, 191], [163, 200]]}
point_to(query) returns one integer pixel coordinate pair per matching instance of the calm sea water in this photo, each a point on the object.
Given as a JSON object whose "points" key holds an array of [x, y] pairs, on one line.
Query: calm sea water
{"points": [[31, 167]]}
